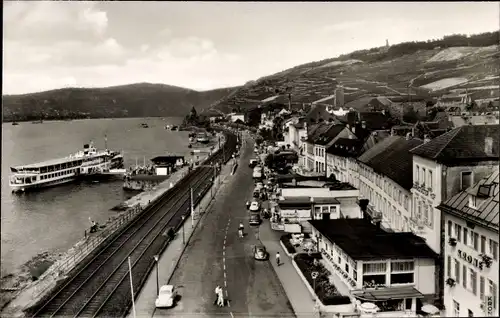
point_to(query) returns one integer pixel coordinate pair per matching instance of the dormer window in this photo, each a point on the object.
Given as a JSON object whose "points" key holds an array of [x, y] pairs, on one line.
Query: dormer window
{"points": [[472, 202]]}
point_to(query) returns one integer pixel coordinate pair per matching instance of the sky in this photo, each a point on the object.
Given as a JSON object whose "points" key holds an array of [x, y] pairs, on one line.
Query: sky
{"points": [[207, 45]]}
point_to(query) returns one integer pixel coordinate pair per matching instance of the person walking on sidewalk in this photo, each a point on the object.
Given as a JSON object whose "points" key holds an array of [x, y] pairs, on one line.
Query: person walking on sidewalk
{"points": [[278, 259]]}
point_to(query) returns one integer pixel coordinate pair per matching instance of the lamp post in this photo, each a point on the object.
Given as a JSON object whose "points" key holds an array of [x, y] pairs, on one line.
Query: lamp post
{"points": [[157, 258], [183, 235]]}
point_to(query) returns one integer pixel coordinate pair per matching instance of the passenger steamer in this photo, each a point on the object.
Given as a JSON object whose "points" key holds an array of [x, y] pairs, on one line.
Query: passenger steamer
{"points": [[63, 170]]}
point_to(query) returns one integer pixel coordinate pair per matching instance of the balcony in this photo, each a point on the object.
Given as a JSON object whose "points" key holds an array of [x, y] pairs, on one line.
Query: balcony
{"points": [[425, 190]]}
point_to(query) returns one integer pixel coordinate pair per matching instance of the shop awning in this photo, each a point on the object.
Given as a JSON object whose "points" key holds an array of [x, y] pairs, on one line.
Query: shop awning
{"points": [[387, 293]]}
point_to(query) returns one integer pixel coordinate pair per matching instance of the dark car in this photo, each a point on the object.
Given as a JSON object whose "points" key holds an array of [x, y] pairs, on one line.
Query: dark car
{"points": [[260, 253], [254, 219]]}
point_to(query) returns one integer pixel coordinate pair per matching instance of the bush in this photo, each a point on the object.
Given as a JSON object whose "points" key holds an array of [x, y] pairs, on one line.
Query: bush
{"points": [[325, 291], [286, 241]]}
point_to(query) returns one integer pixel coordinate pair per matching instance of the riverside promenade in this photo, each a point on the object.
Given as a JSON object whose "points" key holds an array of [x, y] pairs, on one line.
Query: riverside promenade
{"points": [[31, 292]]}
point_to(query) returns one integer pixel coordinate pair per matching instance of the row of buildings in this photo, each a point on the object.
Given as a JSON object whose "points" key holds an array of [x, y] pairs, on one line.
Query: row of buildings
{"points": [[436, 195]]}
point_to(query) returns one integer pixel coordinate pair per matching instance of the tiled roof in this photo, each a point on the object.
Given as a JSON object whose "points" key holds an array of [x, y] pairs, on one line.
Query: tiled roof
{"points": [[346, 147], [317, 112], [374, 120], [362, 240], [315, 131], [487, 213], [391, 158], [328, 135], [466, 142]]}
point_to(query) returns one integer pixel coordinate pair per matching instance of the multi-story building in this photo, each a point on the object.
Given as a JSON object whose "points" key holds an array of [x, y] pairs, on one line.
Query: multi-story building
{"points": [[385, 179], [444, 166], [447, 165], [471, 250]]}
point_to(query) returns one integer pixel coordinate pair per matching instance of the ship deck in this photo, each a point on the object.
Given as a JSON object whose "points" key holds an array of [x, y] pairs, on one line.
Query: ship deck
{"points": [[53, 162]]}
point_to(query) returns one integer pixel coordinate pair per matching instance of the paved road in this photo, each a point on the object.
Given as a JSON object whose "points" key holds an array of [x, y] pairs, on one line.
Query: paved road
{"points": [[252, 286]]}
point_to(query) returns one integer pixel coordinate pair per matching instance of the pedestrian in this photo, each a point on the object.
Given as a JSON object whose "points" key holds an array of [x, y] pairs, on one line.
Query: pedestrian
{"points": [[216, 301], [278, 259], [220, 300]]}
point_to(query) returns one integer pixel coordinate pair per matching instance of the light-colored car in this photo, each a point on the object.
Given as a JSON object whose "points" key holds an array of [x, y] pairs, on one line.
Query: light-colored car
{"points": [[254, 206], [167, 296], [260, 253]]}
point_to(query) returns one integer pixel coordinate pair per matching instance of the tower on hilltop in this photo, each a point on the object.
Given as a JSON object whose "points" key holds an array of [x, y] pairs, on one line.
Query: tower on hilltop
{"points": [[387, 43]]}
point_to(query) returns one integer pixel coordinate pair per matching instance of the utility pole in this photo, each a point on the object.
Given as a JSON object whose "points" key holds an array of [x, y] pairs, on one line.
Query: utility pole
{"points": [[192, 208]]}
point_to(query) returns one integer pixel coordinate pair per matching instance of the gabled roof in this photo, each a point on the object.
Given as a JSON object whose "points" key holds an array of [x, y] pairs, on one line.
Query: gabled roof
{"points": [[392, 159], [487, 213], [462, 143], [328, 135], [346, 147], [362, 240]]}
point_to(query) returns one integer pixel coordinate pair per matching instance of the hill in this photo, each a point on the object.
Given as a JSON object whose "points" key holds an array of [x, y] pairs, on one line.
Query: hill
{"points": [[134, 100], [430, 68]]}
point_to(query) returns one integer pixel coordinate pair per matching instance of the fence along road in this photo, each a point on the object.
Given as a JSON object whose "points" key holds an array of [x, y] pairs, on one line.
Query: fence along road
{"points": [[100, 285]]}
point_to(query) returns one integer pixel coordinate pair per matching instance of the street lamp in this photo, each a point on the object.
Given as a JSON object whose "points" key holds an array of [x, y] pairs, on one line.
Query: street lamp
{"points": [[183, 235], [157, 258]]}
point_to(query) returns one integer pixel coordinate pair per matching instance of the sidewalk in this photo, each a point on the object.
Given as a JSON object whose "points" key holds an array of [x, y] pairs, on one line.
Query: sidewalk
{"points": [[145, 300], [298, 294]]}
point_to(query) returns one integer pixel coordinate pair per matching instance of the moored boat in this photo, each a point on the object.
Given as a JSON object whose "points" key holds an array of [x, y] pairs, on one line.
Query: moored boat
{"points": [[63, 170]]}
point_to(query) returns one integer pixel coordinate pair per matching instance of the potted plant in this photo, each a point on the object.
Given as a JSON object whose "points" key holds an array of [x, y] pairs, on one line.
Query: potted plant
{"points": [[452, 241], [486, 260], [450, 282]]}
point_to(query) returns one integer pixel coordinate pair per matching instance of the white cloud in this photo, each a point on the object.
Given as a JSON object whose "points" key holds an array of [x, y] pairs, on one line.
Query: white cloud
{"points": [[41, 20]]}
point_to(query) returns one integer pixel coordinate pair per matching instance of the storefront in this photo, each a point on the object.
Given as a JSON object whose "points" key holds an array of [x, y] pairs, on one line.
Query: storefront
{"points": [[390, 269]]}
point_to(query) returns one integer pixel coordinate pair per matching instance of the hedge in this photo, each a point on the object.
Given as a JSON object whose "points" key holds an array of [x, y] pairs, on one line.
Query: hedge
{"points": [[325, 291], [286, 241]]}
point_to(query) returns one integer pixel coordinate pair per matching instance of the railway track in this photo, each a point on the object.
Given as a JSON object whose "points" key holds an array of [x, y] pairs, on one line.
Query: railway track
{"points": [[100, 287]]}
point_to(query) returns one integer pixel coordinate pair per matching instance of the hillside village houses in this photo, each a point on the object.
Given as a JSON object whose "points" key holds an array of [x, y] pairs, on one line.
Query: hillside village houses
{"points": [[471, 251]]}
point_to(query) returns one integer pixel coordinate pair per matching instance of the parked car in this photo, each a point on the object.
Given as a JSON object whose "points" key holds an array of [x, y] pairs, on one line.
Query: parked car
{"points": [[254, 219], [253, 163], [254, 206], [166, 297], [260, 253]]}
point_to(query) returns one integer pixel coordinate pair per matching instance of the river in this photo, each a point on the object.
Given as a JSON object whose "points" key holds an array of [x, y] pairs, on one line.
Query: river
{"points": [[54, 219]]}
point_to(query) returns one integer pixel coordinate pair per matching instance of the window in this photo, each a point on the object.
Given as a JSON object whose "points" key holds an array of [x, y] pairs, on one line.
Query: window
{"points": [[475, 241], [466, 180], [458, 232], [370, 268], [346, 268], [450, 226], [457, 271], [456, 308], [481, 288], [405, 266], [448, 266], [494, 249], [466, 236], [473, 281], [422, 177], [470, 313], [483, 244], [417, 174], [430, 180], [464, 276]]}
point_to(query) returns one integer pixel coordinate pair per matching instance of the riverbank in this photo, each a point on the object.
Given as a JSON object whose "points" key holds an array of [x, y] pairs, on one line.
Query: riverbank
{"points": [[40, 275]]}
